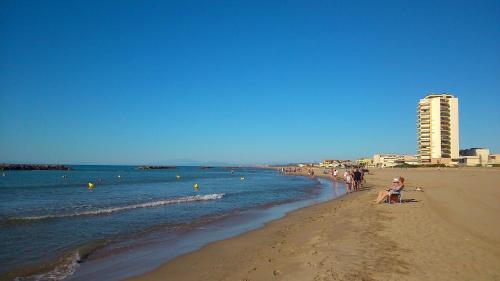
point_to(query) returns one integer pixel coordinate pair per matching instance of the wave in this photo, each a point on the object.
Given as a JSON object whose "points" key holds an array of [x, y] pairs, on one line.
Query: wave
{"points": [[110, 210], [66, 268]]}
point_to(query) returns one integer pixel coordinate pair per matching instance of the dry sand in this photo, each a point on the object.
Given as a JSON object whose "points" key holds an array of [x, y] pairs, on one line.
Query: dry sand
{"points": [[450, 231]]}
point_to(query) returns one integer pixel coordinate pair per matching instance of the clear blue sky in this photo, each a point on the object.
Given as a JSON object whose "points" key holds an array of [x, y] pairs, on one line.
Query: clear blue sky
{"points": [[130, 82]]}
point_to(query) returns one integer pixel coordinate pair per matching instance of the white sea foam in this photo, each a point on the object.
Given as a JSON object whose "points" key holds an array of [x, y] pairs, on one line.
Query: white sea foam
{"points": [[60, 272], [110, 210]]}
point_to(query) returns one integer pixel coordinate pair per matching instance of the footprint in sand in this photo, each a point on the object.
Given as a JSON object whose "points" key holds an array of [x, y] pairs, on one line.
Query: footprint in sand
{"points": [[309, 264]]}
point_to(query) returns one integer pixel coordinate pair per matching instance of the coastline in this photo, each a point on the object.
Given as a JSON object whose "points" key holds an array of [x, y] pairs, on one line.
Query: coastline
{"points": [[161, 247], [446, 232], [240, 207]]}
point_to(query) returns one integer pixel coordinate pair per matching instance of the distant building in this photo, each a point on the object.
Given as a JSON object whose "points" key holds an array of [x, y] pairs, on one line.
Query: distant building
{"points": [[346, 164], [391, 160], [469, 161], [335, 163], [410, 160], [329, 163], [365, 162], [385, 160], [480, 152], [476, 156], [494, 159], [437, 129]]}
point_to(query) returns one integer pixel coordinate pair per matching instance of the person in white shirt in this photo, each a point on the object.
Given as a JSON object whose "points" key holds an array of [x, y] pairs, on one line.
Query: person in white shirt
{"points": [[348, 180]]}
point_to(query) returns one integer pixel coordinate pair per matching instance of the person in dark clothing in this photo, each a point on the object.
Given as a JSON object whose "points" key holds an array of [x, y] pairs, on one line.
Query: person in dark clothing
{"points": [[358, 179]]}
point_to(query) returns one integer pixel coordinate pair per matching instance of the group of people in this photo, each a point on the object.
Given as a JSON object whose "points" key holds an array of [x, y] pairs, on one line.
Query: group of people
{"points": [[354, 178], [290, 170], [310, 172], [294, 170]]}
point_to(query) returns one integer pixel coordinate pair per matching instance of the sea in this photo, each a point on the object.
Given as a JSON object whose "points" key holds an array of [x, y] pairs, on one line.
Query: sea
{"points": [[53, 227]]}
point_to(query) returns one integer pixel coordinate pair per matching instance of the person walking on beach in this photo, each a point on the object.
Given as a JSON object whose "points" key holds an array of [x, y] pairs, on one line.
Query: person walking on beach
{"points": [[348, 181], [335, 173], [353, 182], [357, 179]]}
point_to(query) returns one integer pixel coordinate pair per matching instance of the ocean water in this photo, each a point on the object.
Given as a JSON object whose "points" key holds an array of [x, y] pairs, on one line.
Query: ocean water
{"points": [[51, 225]]}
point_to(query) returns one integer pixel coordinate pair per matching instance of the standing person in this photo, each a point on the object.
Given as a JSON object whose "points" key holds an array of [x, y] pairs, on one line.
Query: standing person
{"points": [[353, 183], [357, 179], [348, 181], [335, 172]]}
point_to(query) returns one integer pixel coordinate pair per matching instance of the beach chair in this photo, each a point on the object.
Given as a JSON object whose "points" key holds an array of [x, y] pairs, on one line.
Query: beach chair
{"points": [[395, 197]]}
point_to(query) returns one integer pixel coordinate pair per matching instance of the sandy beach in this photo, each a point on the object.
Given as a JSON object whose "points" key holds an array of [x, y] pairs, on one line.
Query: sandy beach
{"points": [[449, 231]]}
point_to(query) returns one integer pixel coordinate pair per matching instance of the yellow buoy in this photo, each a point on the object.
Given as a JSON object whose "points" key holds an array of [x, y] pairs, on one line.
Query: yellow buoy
{"points": [[196, 186], [91, 186], [178, 177]]}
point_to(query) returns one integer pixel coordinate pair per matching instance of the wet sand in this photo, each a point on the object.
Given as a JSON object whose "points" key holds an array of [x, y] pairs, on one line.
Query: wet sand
{"points": [[450, 231]]}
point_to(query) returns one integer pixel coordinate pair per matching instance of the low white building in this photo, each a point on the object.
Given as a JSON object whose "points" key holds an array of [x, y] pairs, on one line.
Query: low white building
{"points": [[365, 162], [330, 163], [494, 159], [386, 160], [391, 160], [478, 156]]}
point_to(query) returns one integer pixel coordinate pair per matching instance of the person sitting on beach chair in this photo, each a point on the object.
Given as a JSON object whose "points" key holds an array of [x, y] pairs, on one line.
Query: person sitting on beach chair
{"points": [[396, 188]]}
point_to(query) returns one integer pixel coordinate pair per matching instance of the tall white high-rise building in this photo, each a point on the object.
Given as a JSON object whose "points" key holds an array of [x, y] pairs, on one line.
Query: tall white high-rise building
{"points": [[437, 128]]}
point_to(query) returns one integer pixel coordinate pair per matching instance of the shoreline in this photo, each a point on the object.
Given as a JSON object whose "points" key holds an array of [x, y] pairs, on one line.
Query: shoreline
{"points": [[111, 266], [77, 256], [446, 232]]}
